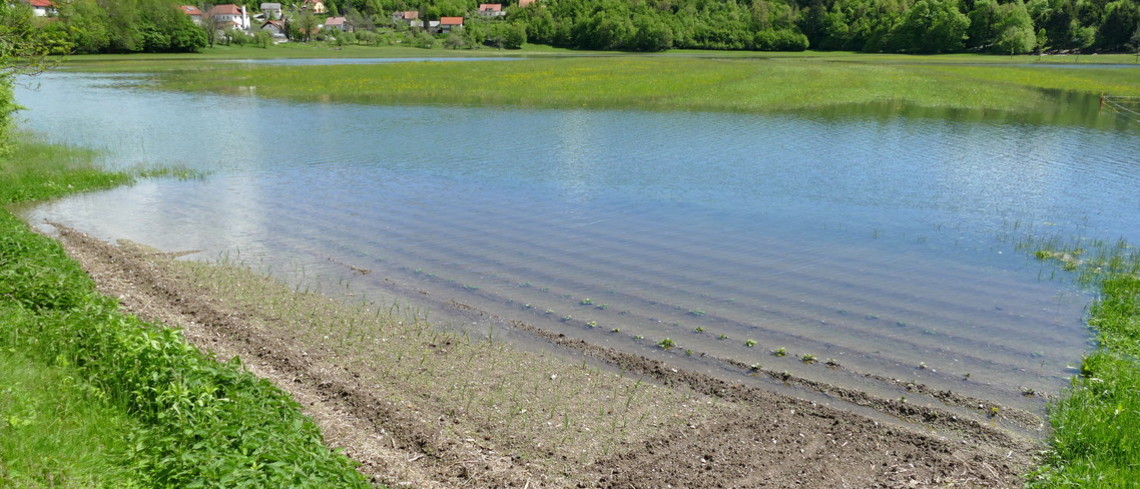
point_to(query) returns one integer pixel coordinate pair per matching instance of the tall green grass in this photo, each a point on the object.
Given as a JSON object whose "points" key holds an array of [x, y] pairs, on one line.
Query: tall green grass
{"points": [[65, 436], [1096, 424], [200, 423]]}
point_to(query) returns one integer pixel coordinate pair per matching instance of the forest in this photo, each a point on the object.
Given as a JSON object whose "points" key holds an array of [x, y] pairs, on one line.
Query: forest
{"points": [[894, 26]]}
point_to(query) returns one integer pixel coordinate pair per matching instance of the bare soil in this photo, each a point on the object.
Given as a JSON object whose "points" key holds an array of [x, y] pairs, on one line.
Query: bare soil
{"points": [[427, 408]]}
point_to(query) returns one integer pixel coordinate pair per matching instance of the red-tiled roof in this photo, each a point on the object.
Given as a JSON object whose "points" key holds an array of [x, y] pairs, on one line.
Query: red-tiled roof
{"points": [[228, 9], [409, 14], [451, 21], [190, 10], [523, 3], [490, 7], [334, 21], [41, 3]]}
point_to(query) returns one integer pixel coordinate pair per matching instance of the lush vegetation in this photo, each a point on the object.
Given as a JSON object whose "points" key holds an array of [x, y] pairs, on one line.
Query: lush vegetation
{"points": [[1095, 424], [899, 26], [194, 422], [118, 26], [674, 83], [66, 437]]}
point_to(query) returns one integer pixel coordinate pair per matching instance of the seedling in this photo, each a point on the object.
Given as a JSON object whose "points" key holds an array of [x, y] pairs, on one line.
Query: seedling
{"points": [[808, 358], [615, 330], [528, 306], [566, 318], [586, 301], [592, 324], [696, 312], [549, 311], [780, 352], [922, 365], [722, 337], [666, 344], [831, 362], [688, 353], [750, 343], [754, 367], [601, 307], [699, 330], [638, 337]]}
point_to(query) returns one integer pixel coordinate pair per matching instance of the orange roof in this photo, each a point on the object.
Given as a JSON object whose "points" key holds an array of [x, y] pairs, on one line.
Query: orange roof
{"points": [[490, 7], [410, 14], [451, 21], [523, 3], [41, 3], [228, 9], [190, 10]]}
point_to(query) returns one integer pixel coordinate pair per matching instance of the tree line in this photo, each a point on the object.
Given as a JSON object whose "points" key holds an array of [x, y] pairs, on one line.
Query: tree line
{"points": [[897, 26]]}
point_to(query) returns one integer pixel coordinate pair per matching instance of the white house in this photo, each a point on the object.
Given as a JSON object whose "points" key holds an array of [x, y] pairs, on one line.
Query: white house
{"points": [[43, 8], [230, 16]]}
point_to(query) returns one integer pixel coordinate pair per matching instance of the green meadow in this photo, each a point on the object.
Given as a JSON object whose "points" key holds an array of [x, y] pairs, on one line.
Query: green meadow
{"points": [[99, 398], [672, 81]]}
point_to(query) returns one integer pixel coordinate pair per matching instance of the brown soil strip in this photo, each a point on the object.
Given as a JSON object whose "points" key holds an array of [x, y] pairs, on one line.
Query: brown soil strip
{"points": [[453, 413]]}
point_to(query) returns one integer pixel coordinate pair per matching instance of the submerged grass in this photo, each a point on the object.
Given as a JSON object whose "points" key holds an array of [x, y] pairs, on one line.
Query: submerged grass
{"points": [[662, 83], [196, 422], [1095, 442]]}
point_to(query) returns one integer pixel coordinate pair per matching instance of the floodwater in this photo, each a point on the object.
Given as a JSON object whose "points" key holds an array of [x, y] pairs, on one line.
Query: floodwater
{"points": [[886, 243]]}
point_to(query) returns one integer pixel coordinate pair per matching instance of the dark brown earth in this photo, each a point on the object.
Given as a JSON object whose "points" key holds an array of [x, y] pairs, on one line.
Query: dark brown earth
{"points": [[693, 430]]}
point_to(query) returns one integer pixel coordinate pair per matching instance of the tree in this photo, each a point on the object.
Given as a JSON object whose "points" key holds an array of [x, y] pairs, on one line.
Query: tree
{"points": [[21, 53], [1014, 30], [931, 26]]}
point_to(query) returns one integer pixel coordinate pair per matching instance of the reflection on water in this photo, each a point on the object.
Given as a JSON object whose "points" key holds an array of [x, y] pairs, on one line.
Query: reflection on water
{"points": [[876, 241]]}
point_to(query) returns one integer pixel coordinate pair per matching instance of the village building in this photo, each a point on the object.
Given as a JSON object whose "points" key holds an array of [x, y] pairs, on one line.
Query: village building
{"points": [[193, 12], [43, 8], [405, 16], [272, 11], [448, 24], [337, 23], [315, 6], [229, 16], [491, 10]]}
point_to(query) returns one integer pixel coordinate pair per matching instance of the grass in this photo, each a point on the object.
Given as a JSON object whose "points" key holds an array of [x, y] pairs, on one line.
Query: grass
{"points": [[182, 418], [67, 436], [1096, 422], [685, 81]]}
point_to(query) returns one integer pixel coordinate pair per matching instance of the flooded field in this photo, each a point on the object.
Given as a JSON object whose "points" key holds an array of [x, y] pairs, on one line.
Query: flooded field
{"points": [[851, 252]]}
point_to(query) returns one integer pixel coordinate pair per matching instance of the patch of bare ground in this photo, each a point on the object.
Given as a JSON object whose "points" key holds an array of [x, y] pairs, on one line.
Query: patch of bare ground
{"points": [[422, 407]]}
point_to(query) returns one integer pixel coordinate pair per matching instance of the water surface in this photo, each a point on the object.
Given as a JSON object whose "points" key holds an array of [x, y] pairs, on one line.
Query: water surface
{"points": [[885, 243]]}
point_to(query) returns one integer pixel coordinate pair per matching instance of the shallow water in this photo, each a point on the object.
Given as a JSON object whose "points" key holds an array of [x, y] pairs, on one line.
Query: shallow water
{"points": [[886, 243]]}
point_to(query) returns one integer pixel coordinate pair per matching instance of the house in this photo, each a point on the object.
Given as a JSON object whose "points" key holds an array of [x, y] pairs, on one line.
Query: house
{"points": [[525, 3], [491, 10], [337, 23], [406, 16], [229, 16], [315, 6], [275, 28], [272, 11], [448, 24], [194, 12], [43, 8]]}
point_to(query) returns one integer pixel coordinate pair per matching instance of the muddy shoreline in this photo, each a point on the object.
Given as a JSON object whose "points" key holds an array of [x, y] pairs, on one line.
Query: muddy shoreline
{"points": [[471, 414]]}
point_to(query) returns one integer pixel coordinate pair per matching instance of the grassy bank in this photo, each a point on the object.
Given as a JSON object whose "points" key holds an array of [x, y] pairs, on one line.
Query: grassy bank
{"points": [[673, 82], [1095, 442], [181, 418]]}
